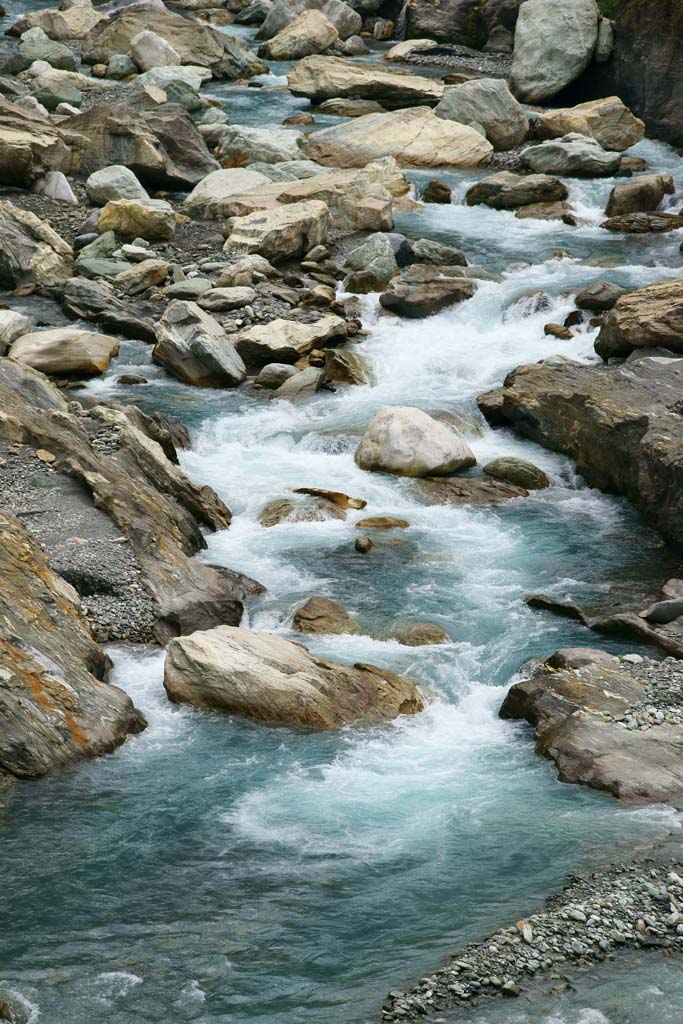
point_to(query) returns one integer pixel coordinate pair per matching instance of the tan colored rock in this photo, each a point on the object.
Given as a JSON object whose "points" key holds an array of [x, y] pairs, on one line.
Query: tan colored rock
{"points": [[401, 50], [133, 219], [320, 615], [310, 33], [66, 351], [288, 510], [59, 24], [324, 78], [193, 346], [408, 442], [650, 317], [415, 138], [641, 194], [382, 523], [280, 233], [420, 634], [31, 253], [271, 679], [210, 199], [285, 341], [142, 276], [343, 367], [337, 498], [608, 121], [30, 146]]}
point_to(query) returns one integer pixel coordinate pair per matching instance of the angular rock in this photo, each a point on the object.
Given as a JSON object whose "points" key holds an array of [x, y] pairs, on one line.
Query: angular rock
{"points": [[507, 191], [419, 634], [286, 510], [644, 223], [372, 265], [66, 351], [554, 42], [407, 442], [96, 301], [302, 384], [310, 33], [54, 185], [608, 121], [320, 615], [572, 155], [12, 326], [345, 19], [31, 253], [130, 218], [323, 78], [343, 367], [194, 348], [349, 108], [69, 23], [639, 195], [142, 276], [30, 146], [517, 471], [263, 676], [422, 290], [468, 491], [272, 375], [285, 341], [243, 144], [489, 103], [436, 192], [599, 297], [426, 251], [281, 233], [208, 199], [547, 211], [650, 317]]}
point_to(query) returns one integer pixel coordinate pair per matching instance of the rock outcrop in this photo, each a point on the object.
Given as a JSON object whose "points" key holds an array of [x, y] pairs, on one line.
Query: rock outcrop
{"points": [[263, 676]]}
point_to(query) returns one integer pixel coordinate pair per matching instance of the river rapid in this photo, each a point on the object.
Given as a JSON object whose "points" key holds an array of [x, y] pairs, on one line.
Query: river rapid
{"points": [[224, 872]]}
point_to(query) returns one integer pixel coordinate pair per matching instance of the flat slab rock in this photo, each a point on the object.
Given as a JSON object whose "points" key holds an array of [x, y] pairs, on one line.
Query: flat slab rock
{"points": [[607, 723]]}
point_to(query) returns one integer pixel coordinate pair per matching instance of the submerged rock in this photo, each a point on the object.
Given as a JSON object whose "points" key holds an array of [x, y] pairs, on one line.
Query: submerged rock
{"points": [[286, 340], [263, 676], [419, 634], [408, 442]]}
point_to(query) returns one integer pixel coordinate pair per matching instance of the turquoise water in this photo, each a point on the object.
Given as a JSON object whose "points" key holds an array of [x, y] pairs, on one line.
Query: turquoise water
{"points": [[223, 872]]}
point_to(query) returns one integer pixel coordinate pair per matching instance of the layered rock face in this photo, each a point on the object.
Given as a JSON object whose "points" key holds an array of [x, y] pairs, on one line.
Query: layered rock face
{"points": [[466, 22]]}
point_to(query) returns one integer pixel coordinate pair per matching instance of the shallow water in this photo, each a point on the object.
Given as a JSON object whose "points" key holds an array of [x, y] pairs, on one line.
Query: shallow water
{"points": [[215, 870]]}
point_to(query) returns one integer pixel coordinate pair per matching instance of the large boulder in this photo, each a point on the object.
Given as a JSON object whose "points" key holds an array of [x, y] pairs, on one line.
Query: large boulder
{"points": [[321, 615], [263, 676], [36, 45], [115, 182], [408, 442], [150, 50], [414, 137], [310, 33], [31, 252], [640, 195], [372, 265], [286, 341], [345, 19], [243, 144], [66, 352], [96, 301], [608, 121], [151, 220], [572, 155], [650, 317], [193, 346], [508, 191], [489, 103], [465, 22], [12, 326], [554, 43], [70, 22], [208, 199], [324, 78], [280, 233], [422, 290], [30, 146]]}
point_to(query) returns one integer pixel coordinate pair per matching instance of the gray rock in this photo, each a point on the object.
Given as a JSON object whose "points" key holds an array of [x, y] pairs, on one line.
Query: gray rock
{"points": [[195, 348], [554, 42], [489, 103], [372, 265], [114, 182], [121, 66], [573, 155], [517, 471], [272, 375], [507, 191], [55, 186], [600, 296], [423, 289], [407, 442]]}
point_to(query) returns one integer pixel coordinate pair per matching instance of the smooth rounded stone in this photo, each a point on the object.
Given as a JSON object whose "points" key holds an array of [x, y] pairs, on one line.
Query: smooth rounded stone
{"points": [[145, 275], [208, 199], [663, 612], [518, 472], [310, 33], [242, 144], [554, 42], [254, 13], [321, 78], [32, 252], [66, 351], [644, 223], [372, 265], [363, 545], [547, 211], [130, 379], [12, 326], [427, 251], [308, 510], [194, 347], [218, 299], [407, 442], [54, 185], [599, 296], [424, 289], [343, 367], [415, 137], [278, 234], [436, 191], [302, 384], [608, 121], [508, 191], [150, 50], [487, 102], [640, 195], [321, 615], [151, 219], [97, 266], [419, 634], [287, 340], [272, 375], [573, 155], [345, 19], [382, 523], [190, 288], [120, 67], [263, 676], [349, 108]]}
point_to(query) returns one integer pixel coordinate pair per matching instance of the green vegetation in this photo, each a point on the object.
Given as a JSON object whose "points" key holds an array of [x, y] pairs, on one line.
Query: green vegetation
{"points": [[608, 7]]}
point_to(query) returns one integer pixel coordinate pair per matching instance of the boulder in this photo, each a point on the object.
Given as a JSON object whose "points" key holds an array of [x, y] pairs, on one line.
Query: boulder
{"points": [[424, 250], [194, 348], [134, 219], [548, 211], [323, 78], [32, 253], [66, 352], [573, 155], [599, 296], [489, 103], [644, 223], [508, 191], [468, 491], [281, 233], [221, 299], [40, 47], [115, 182], [150, 50], [320, 615], [342, 367], [464, 22], [554, 42], [30, 146], [302, 384], [285, 341], [415, 138], [248, 271], [650, 317], [12, 326], [68, 23], [272, 375], [422, 290], [408, 442], [310, 33], [166, 77], [517, 471], [54, 185], [207, 200], [372, 265], [641, 194], [345, 19], [608, 121], [382, 523], [419, 634], [242, 144], [263, 676], [96, 301], [436, 191], [141, 277], [288, 510], [349, 108]]}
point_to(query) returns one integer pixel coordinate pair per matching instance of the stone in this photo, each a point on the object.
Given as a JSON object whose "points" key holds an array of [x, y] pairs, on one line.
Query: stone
{"points": [[407, 442], [424, 250], [141, 277], [573, 155], [554, 42], [650, 317], [263, 676], [190, 76], [114, 182], [501, 40], [242, 144], [558, 331], [517, 471], [347, 21], [642, 194], [131, 218], [308, 34], [547, 211], [363, 545], [55, 186], [508, 191], [336, 498], [343, 367], [322, 78], [12, 325], [287, 510], [424, 289], [247, 271], [39, 47], [220, 299], [272, 375], [468, 491], [120, 67], [489, 103], [608, 121], [302, 384], [66, 351], [281, 233], [349, 108], [150, 50], [193, 346], [372, 265], [599, 296], [382, 523], [664, 612], [72, 22], [96, 301], [285, 341], [32, 254], [419, 634], [415, 138], [644, 223], [209, 199], [320, 615], [436, 191], [401, 50]]}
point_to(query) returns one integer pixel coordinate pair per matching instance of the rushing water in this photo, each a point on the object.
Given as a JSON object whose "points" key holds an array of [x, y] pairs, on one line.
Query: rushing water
{"points": [[223, 872]]}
